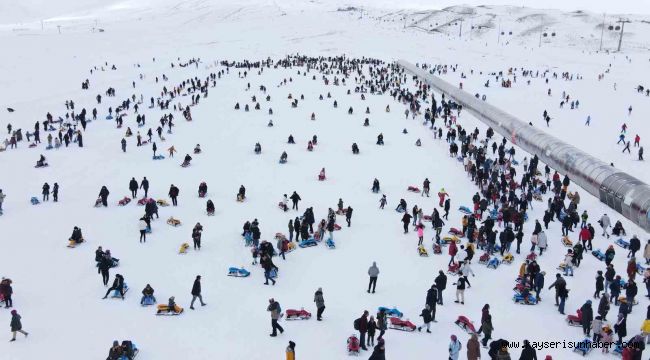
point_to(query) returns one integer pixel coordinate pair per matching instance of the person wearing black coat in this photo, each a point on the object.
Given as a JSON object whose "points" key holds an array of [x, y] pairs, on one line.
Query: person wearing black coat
{"points": [[528, 352], [378, 352], [294, 200], [426, 318], [587, 317], [55, 192], [133, 186], [196, 292], [348, 215], [103, 267], [173, 194], [600, 284], [118, 284], [432, 300], [103, 194], [144, 185], [46, 192], [296, 228], [441, 284], [362, 326], [406, 220]]}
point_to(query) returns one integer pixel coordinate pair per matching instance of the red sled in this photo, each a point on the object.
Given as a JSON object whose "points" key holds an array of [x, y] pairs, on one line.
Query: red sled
{"points": [[437, 249], [575, 320], [341, 211], [298, 314], [465, 324], [413, 189], [454, 231], [143, 201], [399, 324], [531, 257], [124, 201], [483, 259], [337, 227], [427, 218]]}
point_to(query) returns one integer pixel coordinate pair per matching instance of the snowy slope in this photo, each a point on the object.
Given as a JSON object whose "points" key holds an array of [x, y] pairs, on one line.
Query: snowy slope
{"points": [[58, 291]]}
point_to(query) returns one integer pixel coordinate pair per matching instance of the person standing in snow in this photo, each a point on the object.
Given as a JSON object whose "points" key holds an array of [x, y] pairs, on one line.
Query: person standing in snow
{"points": [[473, 348], [276, 311], [454, 348], [144, 185], [605, 222], [103, 194], [196, 292], [173, 194], [441, 284], [406, 220], [320, 303], [348, 215], [426, 187], [133, 186], [361, 325], [373, 273], [294, 200], [55, 192], [16, 325], [46, 192]]}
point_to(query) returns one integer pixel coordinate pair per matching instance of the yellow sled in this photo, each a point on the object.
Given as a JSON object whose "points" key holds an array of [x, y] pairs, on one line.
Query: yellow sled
{"points": [[508, 258], [73, 244], [183, 249], [422, 251], [173, 222], [566, 241], [162, 203], [449, 239], [165, 310]]}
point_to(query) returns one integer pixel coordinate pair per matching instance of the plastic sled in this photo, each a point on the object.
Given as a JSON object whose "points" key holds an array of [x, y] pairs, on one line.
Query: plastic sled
{"points": [[508, 258], [437, 249], [337, 227], [116, 293], [162, 203], [109, 117], [454, 268], [622, 243], [134, 352], [308, 243], [465, 324], [493, 263], [413, 189], [173, 222], [427, 218], [330, 244], [422, 251], [400, 210], [456, 232], [583, 347], [567, 242], [143, 201], [341, 211], [74, 244], [353, 345], [34, 200], [465, 210], [282, 161], [391, 312], [98, 202], [49, 147], [279, 236], [158, 157], [598, 254], [531, 257], [164, 310], [185, 164], [238, 272], [484, 259], [301, 314], [449, 239], [148, 301], [124, 201], [41, 166], [575, 320], [519, 299], [399, 324], [183, 249], [562, 266]]}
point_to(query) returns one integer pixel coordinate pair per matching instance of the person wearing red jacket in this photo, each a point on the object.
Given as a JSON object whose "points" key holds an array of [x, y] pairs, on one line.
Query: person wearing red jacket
{"points": [[453, 250], [585, 236]]}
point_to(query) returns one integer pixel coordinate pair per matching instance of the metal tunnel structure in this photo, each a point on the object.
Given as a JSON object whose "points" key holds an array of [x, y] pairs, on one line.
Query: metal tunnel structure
{"points": [[622, 192]]}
